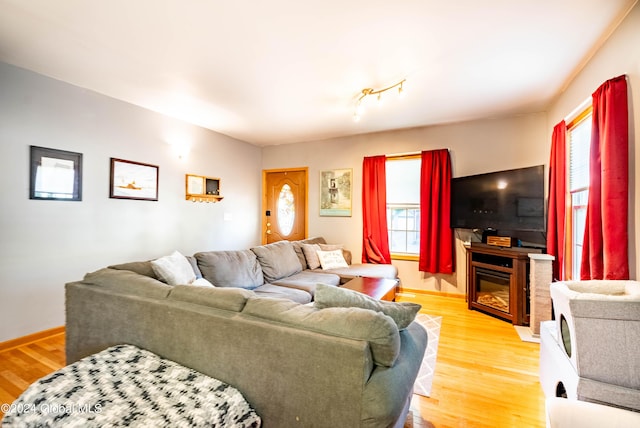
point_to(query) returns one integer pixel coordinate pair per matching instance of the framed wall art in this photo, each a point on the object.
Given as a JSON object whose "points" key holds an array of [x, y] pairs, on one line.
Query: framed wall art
{"points": [[335, 192], [55, 174], [133, 180]]}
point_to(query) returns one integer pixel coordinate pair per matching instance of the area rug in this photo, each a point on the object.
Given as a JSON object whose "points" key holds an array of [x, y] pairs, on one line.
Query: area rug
{"points": [[424, 380]]}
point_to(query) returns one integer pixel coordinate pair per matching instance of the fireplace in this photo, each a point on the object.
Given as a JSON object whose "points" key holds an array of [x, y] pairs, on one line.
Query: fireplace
{"points": [[492, 288], [498, 281]]}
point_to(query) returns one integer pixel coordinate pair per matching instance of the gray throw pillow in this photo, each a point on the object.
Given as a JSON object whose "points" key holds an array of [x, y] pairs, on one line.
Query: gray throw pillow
{"points": [[238, 268], [327, 296], [311, 255], [354, 323], [278, 260]]}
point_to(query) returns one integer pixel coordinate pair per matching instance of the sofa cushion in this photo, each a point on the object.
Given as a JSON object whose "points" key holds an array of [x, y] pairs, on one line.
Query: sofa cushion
{"points": [[402, 313], [278, 292], [307, 280], [332, 259], [231, 268], [365, 269], [127, 282], [230, 299], [173, 269], [278, 260], [377, 329]]}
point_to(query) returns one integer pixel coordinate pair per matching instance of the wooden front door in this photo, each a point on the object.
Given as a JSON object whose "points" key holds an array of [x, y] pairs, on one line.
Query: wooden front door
{"points": [[284, 205]]}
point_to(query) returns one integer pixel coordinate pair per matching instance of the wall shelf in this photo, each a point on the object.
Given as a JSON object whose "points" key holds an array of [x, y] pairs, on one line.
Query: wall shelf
{"points": [[202, 189]]}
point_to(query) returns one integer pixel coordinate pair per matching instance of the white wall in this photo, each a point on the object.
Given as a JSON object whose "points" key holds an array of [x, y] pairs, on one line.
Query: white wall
{"points": [[475, 147], [45, 244], [619, 55]]}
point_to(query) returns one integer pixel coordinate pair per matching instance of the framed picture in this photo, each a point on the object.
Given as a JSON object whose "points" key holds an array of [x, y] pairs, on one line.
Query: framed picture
{"points": [[133, 180], [335, 192], [55, 174]]}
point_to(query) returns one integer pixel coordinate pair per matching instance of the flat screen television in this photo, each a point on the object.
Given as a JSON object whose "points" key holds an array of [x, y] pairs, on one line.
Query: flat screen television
{"points": [[507, 201]]}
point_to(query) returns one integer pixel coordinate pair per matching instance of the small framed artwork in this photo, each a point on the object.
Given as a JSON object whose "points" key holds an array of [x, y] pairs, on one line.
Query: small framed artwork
{"points": [[335, 192], [133, 180], [55, 174]]}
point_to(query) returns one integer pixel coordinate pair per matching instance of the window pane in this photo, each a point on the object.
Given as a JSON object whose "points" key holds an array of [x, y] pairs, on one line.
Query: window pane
{"points": [[579, 143], [413, 242], [398, 219], [398, 241], [579, 216], [413, 219], [403, 181]]}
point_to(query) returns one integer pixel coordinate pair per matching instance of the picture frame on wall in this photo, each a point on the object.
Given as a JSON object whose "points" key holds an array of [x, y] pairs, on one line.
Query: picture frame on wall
{"points": [[55, 174], [133, 180], [335, 192]]}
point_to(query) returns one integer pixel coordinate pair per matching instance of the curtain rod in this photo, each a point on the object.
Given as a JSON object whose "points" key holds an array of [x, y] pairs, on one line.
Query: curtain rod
{"points": [[399, 155]]}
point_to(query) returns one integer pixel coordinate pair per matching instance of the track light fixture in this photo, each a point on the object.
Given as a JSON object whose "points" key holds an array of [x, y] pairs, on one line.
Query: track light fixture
{"points": [[370, 91]]}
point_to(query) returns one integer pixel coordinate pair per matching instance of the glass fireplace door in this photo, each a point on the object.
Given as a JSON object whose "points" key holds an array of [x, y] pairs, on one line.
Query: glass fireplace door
{"points": [[492, 288]]}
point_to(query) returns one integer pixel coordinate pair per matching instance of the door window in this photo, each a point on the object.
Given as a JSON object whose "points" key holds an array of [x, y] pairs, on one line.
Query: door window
{"points": [[286, 210]]}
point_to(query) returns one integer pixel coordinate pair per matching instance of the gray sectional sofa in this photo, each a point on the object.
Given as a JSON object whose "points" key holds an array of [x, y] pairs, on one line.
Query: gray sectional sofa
{"points": [[278, 270], [298, 365]]}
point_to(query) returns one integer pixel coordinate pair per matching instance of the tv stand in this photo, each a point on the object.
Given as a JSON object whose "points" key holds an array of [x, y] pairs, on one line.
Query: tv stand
{"points": [[498, 281]]}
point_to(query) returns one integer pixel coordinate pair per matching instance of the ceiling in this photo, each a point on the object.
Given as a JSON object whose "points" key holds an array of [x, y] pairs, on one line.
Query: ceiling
{"points": [[283, 71]]}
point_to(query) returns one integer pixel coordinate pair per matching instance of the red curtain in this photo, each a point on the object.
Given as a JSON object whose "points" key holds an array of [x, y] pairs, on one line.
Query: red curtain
{"points": [[605, 250], [375, 238], [436, 236], [556, 213]]}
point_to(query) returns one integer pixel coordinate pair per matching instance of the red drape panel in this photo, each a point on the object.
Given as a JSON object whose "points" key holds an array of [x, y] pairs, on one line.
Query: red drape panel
{"points": [[556, 214], [436, 235], [375, 238], [605, 250]]}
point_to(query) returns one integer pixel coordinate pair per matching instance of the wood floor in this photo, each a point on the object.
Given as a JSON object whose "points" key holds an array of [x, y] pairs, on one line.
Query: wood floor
{"points": [[484, 377]]}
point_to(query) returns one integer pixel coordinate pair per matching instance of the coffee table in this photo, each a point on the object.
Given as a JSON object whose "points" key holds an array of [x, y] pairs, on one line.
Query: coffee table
{"points": [[378, 288]]}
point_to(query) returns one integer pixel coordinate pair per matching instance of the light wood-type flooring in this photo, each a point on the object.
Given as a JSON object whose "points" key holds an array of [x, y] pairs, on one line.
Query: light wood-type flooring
{"points": [[484, 377]]}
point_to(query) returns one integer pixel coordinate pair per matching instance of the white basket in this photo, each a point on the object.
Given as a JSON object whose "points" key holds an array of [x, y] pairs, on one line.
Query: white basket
{"points": [[598, 328]]}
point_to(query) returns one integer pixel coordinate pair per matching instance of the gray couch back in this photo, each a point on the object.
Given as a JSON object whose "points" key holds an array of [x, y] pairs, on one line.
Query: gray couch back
{"points": [[291, 375]]}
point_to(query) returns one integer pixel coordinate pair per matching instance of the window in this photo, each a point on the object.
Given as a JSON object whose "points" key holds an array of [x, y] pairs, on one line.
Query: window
{"points": [[403, 206], [579, 138]]}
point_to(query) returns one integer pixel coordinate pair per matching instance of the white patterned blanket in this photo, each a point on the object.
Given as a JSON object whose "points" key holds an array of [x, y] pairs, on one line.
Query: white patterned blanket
{"points": [[128, 386]]}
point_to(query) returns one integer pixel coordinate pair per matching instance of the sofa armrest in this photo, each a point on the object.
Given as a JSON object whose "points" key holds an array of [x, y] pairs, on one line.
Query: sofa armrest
{"points": [[347, 256]]}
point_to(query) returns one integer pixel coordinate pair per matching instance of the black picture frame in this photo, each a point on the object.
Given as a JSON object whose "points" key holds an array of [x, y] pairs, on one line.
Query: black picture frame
{"points": [[55, 174], [133, 180]]}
